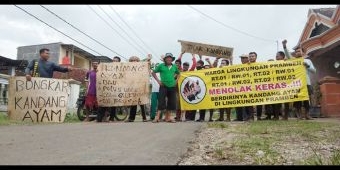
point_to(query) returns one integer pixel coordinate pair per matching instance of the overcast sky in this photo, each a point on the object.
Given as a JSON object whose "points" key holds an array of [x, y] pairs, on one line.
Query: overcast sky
{"points": [[160, 26]]}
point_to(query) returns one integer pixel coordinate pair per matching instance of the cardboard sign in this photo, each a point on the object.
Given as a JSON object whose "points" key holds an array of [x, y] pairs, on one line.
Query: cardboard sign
{"points": [[122, 84], [206, 49], [38, 100]]}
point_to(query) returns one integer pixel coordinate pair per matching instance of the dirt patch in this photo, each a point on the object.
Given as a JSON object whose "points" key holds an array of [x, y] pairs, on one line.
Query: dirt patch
{"points": [[265, 143]]}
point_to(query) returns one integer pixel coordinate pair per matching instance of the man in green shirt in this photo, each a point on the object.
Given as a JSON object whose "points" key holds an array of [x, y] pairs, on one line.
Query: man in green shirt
{"points": [[167, 87]]}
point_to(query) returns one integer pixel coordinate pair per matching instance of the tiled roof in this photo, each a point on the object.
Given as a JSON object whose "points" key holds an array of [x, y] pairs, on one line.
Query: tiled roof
{"points": [[328, 12]]}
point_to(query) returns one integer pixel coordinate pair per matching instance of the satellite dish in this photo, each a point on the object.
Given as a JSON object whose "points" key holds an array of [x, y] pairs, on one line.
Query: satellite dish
{"points": [[336, 64]]}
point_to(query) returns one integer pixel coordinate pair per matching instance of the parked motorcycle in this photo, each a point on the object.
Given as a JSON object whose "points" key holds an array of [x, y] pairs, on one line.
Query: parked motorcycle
{"points": [[121, 112]]}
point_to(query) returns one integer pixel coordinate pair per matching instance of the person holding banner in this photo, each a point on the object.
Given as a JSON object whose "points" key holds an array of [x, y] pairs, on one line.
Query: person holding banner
{"points": [[224, 63], [243, 113], [43, 67], [167, 88], [116, 59], [280, 56], [178, 62], [113, 109], [309, 70], [252, 59], [185, 67], [189, 114], [202, 111], [133, 109]]}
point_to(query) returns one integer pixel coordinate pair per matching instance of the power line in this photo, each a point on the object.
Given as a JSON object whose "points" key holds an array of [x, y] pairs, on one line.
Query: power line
{"points": [[121, 18], [122, 29], [113, 28], [242, 32], [57, 30], [80, 30]]}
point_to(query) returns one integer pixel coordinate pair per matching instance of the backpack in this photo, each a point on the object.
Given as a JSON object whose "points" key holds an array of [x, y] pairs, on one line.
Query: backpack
{"points": [[35, 69]]}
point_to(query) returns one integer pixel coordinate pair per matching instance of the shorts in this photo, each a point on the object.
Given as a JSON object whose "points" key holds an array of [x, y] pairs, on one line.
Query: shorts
{"points": [[168, 93], [91, 101]]}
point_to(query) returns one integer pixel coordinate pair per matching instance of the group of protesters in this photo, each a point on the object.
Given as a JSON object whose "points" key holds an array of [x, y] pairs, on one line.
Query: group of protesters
{"points": [[165, 95]]}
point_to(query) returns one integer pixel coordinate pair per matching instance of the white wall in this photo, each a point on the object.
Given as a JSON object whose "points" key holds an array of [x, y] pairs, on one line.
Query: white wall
{"points": [[74, 94]]}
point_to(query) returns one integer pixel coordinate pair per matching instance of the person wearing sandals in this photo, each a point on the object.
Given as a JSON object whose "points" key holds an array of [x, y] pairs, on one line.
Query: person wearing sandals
{"points": [[133, 109], [167, 87]]}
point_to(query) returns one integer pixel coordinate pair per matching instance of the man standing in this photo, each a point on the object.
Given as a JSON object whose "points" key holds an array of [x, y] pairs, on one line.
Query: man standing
{"points": [[252, 59], [309, 69], [91, 93], [113, 109], [224, 63], [133, 109], [280, 56], [154, 95], [167, 88], [243, 113], [202, 111], [42, 67]]}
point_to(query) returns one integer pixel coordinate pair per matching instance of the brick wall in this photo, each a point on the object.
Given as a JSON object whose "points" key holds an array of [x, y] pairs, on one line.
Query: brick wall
{"points": [[330, 101]]}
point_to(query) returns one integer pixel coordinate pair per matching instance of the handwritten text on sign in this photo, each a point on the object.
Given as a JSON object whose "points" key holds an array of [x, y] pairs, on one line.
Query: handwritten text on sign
{"points": [[206, 49], [38, 100], [244, 85], [123, 84]]}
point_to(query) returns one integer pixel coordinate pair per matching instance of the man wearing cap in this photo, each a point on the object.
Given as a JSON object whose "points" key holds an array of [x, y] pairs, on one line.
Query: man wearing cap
{"points": [[242, 113], [167, 88]]}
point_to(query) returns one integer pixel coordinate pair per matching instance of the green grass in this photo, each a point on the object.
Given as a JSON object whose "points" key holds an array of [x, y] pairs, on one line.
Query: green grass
{"points": [[317, 159], [219, 152], [4, 120], [252, 144], [263, 135], [217, 125], [71, 118]]}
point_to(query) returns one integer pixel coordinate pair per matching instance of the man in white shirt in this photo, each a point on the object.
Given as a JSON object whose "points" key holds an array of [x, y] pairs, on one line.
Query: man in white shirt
{"points": [[154, 95], [309, 69]]}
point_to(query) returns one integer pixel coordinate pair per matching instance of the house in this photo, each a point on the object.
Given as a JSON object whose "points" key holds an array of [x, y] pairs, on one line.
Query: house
{"points": [[9, 67], [320, 40], [65, 55]]}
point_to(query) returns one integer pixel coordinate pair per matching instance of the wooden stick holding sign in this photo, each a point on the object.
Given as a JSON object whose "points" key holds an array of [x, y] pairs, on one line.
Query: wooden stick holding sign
{"points": [[206, 49]]}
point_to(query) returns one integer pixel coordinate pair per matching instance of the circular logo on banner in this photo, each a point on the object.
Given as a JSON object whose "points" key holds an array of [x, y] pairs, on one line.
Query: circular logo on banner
{"points": [[193, 89]]}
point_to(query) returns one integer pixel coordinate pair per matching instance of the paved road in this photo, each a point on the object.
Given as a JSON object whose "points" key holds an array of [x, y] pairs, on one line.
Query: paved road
{"points": [[96, 144]]}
